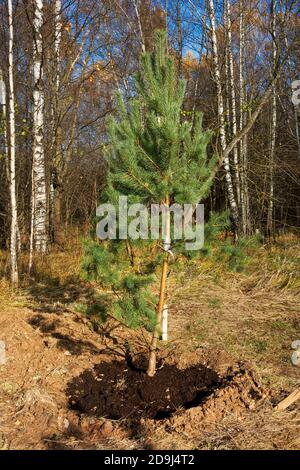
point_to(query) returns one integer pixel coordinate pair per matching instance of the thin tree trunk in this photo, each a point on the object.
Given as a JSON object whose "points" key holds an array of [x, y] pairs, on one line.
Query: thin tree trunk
{"points": [[232, 97], [179, 38], [166, 4], [163, 286], [4, 118], [194, 100], [227, 94], [242, 123], [297, 130], [251, 121], [31, 238], [270, 217], [229, 183], [138, 17], [57, 41], [295, 106], [12, 154], [54, 209], [39, 179]]}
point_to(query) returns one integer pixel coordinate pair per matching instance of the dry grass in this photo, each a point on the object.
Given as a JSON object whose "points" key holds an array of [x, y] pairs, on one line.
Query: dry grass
{"points": [[10, 298], [277, 431], [277, 266], [256, 325]]}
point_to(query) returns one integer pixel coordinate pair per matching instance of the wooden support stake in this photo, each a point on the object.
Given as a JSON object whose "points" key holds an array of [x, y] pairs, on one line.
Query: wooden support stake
{"points": [[294, 396], [162, 293], [164, 333]]}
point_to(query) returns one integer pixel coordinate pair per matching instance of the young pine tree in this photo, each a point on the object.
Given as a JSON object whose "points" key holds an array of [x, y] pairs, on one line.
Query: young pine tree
{"points": [[154, 157]]}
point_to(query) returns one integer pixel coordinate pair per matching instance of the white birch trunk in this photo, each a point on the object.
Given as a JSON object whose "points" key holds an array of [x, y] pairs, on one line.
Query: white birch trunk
{"points": [[241, 106], [39, 198], [31, 239], [227, 94], [138, 17], [297, 133], [233, 98], [57, 40], [270, 219], [12, 153], [229, 183]]}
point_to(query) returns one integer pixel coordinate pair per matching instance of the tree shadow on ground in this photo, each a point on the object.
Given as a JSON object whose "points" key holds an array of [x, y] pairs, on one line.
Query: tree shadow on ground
{"points": [[73, 343], [75, 346], [53, 295], [52, 302], [67, 342]]}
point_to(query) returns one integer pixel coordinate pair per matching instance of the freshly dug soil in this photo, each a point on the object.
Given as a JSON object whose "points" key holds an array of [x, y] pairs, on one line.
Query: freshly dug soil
{"points": [[114, 390], [238, 391]]}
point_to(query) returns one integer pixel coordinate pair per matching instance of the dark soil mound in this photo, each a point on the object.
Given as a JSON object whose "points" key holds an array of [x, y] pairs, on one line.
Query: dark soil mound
{"points": [[114, 390]]}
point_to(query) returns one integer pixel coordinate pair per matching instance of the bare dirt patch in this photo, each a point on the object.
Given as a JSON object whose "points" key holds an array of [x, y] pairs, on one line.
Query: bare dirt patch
{"points": [[43, 354], [114, 390], [174, 400]]}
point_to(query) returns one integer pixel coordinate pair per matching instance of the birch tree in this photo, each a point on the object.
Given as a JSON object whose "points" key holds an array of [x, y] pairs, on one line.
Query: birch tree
{"points": [[57, 40], [39, 197], [54, 206], [138, 17], [295, 105], [244, 197], [217, 79], [12, 151], [270, 225], [4, 118], [232, 97]]}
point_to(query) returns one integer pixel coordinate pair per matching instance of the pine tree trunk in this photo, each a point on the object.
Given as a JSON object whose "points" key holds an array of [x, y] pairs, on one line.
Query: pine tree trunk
{"points": [[217, 78], [270, 218], [12, 154], [163, 286], [39, 197]]}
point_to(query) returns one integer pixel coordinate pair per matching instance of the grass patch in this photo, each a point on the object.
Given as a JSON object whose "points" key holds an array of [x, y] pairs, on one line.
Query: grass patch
{"points": [[214, 303]]}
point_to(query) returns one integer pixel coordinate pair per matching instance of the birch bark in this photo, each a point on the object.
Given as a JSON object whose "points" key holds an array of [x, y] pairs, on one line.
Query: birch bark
{"points": [[297, 133], [232, 95], [243, 156], [217, 78], [39, 196], [12, 152]]}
